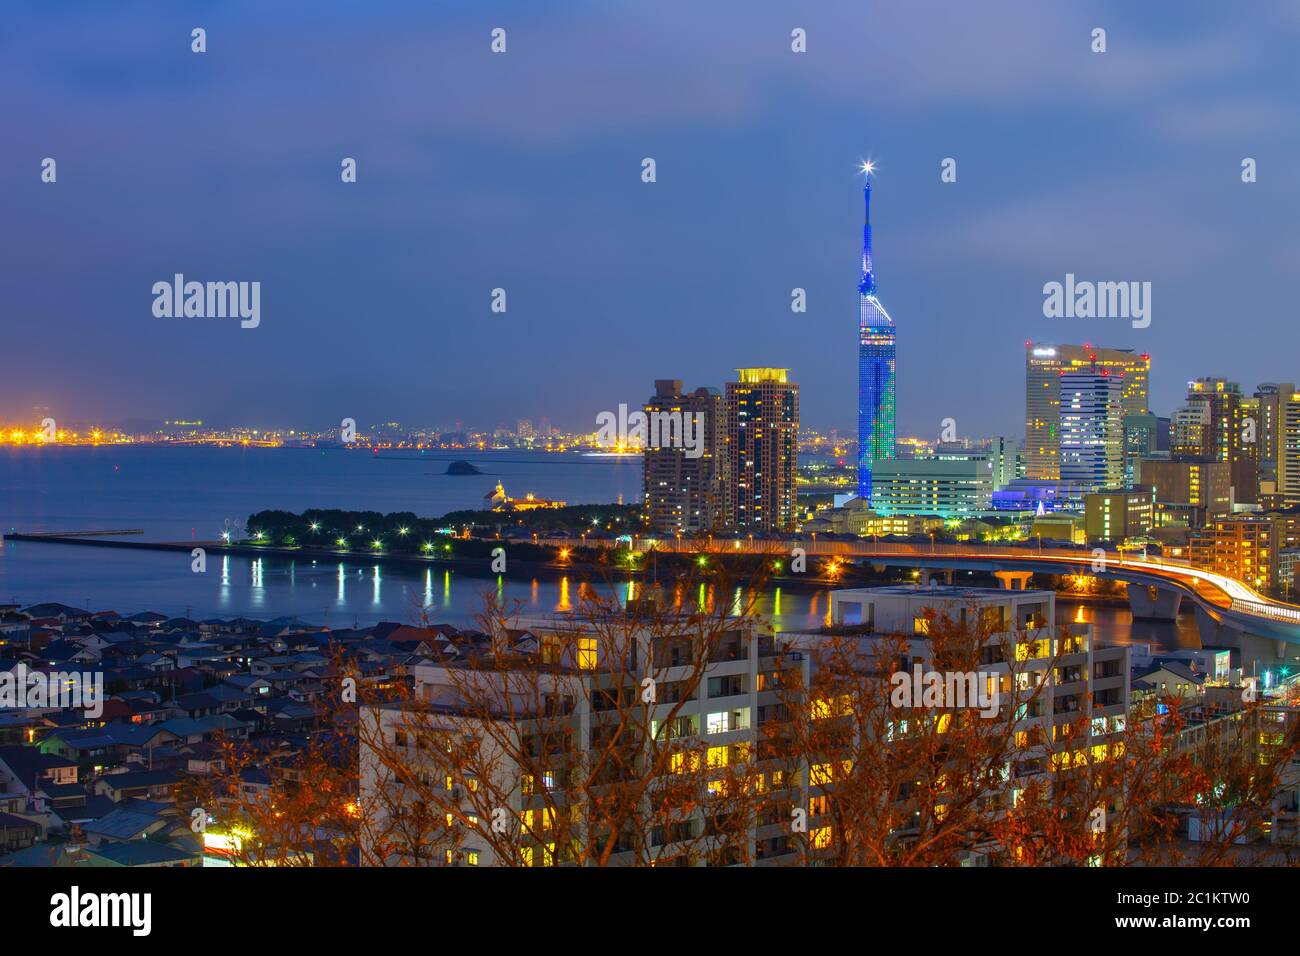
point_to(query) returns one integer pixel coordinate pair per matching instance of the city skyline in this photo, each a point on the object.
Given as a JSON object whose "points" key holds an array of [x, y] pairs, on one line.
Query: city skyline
{"points": [[433, 437], [354, 274]]}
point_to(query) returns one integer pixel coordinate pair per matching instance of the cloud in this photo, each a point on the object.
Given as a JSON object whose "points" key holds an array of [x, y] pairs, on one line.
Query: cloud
{"points": [[1226, 120]]}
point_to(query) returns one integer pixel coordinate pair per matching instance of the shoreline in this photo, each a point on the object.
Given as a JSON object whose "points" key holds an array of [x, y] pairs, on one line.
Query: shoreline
{"points": [[517, 568], [478, 567]]}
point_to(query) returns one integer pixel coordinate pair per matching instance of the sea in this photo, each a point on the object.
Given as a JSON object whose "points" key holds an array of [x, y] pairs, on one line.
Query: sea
{"points": [[193, 493]]}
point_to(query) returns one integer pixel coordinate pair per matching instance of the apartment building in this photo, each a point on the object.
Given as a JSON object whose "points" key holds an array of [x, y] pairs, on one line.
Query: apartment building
{"points": [[1245, 547], [559, 698], [684, 488], [1058, 679], [543, 709], [762, 408]]}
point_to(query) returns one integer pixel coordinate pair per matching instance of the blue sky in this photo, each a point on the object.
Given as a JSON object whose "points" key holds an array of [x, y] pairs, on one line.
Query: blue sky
{"points": [[522, 171]]}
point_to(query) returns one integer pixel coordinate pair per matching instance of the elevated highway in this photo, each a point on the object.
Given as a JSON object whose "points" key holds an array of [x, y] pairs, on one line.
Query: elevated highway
{"points": [[1227, 610]]}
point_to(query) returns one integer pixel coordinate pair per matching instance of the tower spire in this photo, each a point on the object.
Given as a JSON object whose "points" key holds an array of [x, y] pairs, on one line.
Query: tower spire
{"points": [[876, 342], [867, 285]]}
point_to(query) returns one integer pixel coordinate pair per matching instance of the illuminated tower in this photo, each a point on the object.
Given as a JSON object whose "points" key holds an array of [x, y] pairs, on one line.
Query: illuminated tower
{"points": [[875, 365]]}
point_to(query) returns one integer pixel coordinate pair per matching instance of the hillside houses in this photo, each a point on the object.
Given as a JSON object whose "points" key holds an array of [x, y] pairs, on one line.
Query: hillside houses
{"points": [[107, 789]]}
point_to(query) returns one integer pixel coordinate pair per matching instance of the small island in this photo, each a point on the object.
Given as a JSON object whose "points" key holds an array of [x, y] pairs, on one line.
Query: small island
{"points": [[463, 468]]}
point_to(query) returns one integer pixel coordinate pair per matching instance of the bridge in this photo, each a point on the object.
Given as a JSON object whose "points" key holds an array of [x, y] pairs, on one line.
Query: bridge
{"points": [[1228, 612]]}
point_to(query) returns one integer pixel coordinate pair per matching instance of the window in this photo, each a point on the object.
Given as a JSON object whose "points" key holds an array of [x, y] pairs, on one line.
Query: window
{"points": [[727, 720], [684, 762], [920, 625], [587, 653], [537, 820], [550, 649]]}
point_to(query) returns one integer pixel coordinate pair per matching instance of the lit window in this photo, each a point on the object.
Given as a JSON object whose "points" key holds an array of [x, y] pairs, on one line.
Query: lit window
{"points": [[684, 762]]}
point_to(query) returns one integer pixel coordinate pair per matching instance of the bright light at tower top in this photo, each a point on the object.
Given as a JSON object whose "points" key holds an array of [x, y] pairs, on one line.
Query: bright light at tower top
{"points": [[867, 168]]}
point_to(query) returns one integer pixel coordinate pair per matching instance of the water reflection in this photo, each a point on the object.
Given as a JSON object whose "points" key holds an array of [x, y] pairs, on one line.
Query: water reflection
{"points": [[272, 587]]}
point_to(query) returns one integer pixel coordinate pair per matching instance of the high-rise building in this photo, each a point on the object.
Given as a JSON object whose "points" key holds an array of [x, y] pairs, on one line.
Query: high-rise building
{"points": [[683, 486], [1092, 428], [1189, 432], [876, 346], [1269, 397], [1209, 428], [1043, 366], [1187, 492], [1268, 408], [762, 442], [1288, 446], [1249, 460], [1141, 440], [1004, 460]]}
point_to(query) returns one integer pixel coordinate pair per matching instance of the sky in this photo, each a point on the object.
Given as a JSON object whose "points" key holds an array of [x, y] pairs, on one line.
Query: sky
{"points": [[522, 171]]}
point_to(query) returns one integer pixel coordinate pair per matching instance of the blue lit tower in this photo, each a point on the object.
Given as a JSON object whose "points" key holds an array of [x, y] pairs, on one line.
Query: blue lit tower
{"points": [[875, 365]]}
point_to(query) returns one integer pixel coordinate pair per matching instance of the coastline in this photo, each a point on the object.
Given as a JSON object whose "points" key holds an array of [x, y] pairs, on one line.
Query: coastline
{"points": [[517, 568]]}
